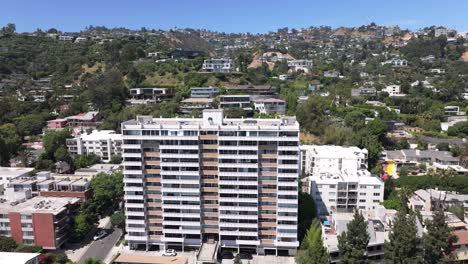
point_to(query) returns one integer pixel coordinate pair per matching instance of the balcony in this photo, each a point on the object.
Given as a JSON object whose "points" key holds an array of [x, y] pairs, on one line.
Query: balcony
{"points": [[294, 244], [248, 242]]}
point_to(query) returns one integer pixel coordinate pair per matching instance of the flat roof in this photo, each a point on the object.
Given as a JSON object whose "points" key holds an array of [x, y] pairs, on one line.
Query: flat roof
{"points": [[53, 205], [14, 172], [97, 135], [197, 100], [139, 259], [16, 257]]}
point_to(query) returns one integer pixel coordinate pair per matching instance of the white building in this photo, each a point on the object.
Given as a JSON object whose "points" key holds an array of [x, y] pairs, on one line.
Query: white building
{"points": [[231, 180], [19, 258], [303, 65], [9, 173], [270, 106], [339, 180], [218, 65], [396, 62], [394, 90], [103, 143]]}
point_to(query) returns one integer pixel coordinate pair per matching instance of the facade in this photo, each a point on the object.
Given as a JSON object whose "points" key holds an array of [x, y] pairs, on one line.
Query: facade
{"points": [[195, 104], [154, 94], [339, 180], [77, 122], [394, 90], [9, 173], [204, 92], [239, 101], [300, 65], [103, 143], [362, 91], [251, 89], [396, 63], [270, 106], [40, 221], [231, 180], [218, 65]]}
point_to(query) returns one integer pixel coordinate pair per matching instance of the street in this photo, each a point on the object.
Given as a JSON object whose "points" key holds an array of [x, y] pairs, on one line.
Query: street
{"points": [[100, 248]]}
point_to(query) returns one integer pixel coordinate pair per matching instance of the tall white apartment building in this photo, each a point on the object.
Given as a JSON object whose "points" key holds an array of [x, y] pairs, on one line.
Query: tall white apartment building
{"points": [[103, 143], [339, 180], [231, 180]]}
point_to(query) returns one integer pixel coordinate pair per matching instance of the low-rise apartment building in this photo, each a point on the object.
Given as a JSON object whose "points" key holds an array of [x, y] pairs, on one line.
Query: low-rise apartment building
{"points": [[230, 180], [42, 221], [339, 180], [223, 65], [103, 143], [154, 94], [77, 123], [300, 65], [236, 101], [270, 106], [189, 105], [251, 89]]}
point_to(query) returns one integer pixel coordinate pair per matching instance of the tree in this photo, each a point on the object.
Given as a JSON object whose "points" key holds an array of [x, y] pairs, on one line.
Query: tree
{"points": [[81, 227], [312, 249], [29, 249], [54, 140], [115, 159], [93, 261], [234, 112], [83, 161], [8, 30], [306, 214], [237, 259], [7, 244], [107, 190], [107, 89], [118, 219], [352, 243], [4, 154], [438, 240], [403, 244], [59, 258]]}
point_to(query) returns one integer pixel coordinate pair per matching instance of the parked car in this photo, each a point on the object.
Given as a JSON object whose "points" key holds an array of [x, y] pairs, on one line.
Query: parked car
{"points": [[99, 235], [169, 253]]}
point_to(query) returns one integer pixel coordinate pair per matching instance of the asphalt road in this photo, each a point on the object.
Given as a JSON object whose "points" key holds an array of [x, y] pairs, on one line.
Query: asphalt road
{"points": [[100, 248]]}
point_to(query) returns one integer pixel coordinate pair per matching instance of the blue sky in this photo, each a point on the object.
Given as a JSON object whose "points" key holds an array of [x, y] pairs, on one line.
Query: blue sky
{"points": [[231, 16]]}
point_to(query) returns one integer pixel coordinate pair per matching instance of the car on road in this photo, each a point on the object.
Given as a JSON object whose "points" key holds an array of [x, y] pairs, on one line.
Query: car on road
{"points": [[99, 235], [169, 253]]}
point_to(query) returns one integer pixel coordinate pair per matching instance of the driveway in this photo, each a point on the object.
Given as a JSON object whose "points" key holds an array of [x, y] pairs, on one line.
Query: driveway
{"points": [[100, 249]]}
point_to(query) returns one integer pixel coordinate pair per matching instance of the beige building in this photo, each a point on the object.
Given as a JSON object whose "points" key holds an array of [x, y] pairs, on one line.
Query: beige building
{"points": [[234, 181]]}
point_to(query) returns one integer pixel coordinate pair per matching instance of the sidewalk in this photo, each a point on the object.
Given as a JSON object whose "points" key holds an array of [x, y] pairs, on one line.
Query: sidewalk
{"points": [[113, 253]]}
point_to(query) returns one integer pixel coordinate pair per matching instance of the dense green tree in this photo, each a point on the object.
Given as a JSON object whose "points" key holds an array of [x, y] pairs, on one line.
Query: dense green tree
{"points": [[93, 261], [29, 249], [107, 89], [118, 219], [312, 115], [312, 249], [438, 240], [352, 244], [81, 227], [235, 112], [107, 191], [55, 139], [237, 259], [306, 208], [4, 153], [83, 161], [29, 125], [403, 243], [7, 244], [115, 159]]}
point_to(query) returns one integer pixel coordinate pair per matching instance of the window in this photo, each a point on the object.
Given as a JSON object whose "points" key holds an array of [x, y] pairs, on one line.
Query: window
{"points": [[376, 194], [362, 200]]}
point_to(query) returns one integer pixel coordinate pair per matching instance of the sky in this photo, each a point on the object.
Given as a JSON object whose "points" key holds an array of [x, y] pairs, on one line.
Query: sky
{"points": [[255, 16]]}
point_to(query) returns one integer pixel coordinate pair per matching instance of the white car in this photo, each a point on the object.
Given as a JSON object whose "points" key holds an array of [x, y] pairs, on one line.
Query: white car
{"points": [[100, 235], [169, 253]]}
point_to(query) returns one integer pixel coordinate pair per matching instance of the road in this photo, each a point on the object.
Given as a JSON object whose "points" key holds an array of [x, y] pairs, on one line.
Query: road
{"points": [[100, 248]]}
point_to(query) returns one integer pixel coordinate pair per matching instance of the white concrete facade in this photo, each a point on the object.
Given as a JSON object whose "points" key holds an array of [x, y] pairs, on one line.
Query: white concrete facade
{"points": [[231, 180], [103, 143]]}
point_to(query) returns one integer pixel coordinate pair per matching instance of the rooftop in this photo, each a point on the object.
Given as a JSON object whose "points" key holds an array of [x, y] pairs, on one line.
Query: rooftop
{"points": [[96, 135], [143, 259], [16, 257], [331, 151], [213, 119], [13, 172], [38, 204]]}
